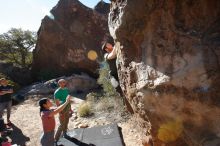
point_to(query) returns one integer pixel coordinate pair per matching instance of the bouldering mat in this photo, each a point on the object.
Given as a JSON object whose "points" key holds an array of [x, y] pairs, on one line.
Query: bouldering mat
{"points": [[108, 135]]}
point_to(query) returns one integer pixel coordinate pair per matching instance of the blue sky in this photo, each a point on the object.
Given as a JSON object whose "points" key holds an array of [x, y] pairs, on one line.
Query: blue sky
{"points": [[27, 14]]}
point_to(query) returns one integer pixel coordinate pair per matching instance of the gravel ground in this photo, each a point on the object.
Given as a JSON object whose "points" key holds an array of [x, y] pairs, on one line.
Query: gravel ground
{"points": [[27, 126]]}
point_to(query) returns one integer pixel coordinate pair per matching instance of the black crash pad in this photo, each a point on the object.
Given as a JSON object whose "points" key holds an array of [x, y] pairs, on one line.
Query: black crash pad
{"points": [[108, 135]]}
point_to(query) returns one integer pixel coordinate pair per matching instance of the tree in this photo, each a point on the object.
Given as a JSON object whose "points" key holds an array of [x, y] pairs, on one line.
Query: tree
{"points": [[16, 46]]}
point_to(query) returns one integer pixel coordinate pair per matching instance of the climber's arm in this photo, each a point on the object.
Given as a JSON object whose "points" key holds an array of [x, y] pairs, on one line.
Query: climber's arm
{"points": [[111, 55]]}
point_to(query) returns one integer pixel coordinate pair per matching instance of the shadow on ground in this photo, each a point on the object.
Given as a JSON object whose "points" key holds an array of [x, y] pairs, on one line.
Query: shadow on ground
{"points": [[18, 137]]}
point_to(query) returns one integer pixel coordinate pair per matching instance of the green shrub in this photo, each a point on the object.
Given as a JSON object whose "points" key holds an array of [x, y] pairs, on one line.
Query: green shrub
{"points": [[104, 79], [111, 98], [84, 109]]}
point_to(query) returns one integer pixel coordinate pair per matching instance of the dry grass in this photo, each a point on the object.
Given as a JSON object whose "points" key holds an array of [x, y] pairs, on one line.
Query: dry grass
{"points": [[84, 109], [104, 104]]}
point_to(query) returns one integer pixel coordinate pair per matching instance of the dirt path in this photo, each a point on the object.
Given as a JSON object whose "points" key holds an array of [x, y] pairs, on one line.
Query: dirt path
{"points": [[27, 126]]}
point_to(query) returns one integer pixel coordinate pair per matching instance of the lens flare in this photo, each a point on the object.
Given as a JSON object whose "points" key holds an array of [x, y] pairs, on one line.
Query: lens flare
{"points": [[92, 55], [170, 131]]}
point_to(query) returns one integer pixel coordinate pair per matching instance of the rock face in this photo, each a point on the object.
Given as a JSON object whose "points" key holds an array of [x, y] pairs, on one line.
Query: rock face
{"points": [[67, 37], [102, 7], [169, 67], [75, 84]]}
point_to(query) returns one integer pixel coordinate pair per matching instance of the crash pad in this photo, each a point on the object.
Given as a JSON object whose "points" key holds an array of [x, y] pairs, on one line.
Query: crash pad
{"points": [[108, 135]]}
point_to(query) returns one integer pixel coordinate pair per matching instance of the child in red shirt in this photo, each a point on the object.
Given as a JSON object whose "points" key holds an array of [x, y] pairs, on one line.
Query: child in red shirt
{"points": [[48, 120]]}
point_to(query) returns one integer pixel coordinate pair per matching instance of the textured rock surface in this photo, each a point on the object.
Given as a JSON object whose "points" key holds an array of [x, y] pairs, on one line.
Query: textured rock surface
{"points": [[169, 67], [66, 37], [75, 84], [102, 7]]}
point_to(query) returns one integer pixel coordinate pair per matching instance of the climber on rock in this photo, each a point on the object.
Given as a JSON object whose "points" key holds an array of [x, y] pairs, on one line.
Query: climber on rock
{"points": [[110, 55]]}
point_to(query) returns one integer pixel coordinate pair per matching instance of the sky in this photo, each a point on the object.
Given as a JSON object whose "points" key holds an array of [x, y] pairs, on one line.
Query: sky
{"points": [[27, 14]]}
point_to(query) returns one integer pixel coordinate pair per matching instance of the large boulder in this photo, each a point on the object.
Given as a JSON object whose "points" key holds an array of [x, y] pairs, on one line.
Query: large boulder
{"points": [[67, 37], [75, 83], [169, 67], [102, 7]]}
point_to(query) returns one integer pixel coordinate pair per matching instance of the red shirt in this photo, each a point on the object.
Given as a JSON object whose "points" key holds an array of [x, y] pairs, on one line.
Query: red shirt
{"points": [[47, 121]]}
